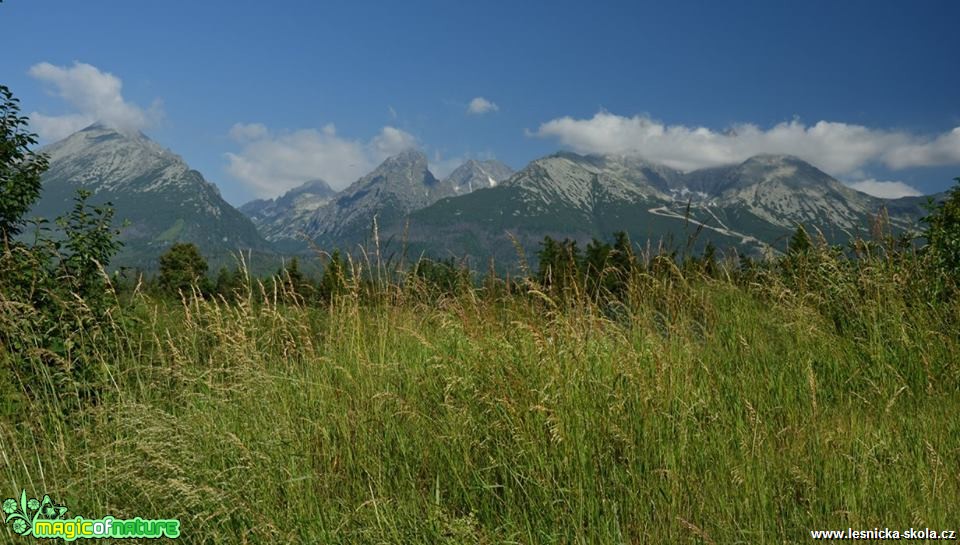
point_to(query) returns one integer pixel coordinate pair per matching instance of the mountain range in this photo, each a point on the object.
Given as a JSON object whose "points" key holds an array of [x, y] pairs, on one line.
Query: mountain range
{"points": [[482, 209], [753, 207]]}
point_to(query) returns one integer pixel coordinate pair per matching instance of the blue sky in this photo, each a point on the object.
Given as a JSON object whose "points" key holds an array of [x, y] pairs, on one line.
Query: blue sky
{"points": [[260, 96]]}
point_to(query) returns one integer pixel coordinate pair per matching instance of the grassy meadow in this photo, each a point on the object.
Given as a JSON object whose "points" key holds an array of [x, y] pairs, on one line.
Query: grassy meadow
{"points": [[730, 407]]}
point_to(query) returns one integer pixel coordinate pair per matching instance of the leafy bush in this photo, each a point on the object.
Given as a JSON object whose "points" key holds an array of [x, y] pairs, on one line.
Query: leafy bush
{"points": [[943, 235], [20, 168], [54, 292]]}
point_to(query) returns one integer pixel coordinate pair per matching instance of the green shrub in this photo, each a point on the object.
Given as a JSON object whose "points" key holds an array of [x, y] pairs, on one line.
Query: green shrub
{"points": [[54, 293], [943, 235]]}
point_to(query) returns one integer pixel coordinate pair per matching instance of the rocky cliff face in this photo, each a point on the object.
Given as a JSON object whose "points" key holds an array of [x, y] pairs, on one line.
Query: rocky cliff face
{"points": [[285, 218], [401, 184], [473, 175]]}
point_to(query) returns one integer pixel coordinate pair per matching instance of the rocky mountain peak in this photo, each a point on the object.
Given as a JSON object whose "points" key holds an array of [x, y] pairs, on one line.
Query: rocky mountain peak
{"points": [[152, 188], [474, 174], [773, 159], [318, 186], [105, 158], [412, 160], [286, 216], [400, 184]]}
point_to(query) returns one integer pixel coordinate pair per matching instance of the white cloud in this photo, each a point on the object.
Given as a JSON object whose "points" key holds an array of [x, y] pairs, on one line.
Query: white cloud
{"points": [[94, 95], [885, 190], [943, 150], [480, 106], [244, 132], [272, 163], [838, 148], [57, 127], [390, 141]]}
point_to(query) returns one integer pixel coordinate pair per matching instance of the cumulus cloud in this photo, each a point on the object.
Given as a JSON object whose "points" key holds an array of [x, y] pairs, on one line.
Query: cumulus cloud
{"points": [[271, 163], [390, 141], [885, 190], [838, 148], [943, 150], [94, 95], [245, 132], [480, 106], [57, 127]]}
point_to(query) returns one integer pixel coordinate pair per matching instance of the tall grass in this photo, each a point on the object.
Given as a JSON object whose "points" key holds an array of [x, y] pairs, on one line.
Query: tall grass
{"points": [[703, 409]]}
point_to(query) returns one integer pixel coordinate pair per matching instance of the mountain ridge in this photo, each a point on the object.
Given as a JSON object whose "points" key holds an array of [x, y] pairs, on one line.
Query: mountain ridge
{"points": [[283, 219], [752, 206], [399, 185], [161, 197], [474, 174]]}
